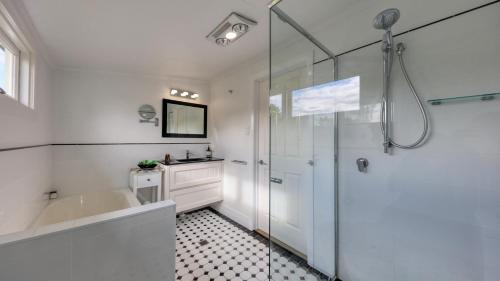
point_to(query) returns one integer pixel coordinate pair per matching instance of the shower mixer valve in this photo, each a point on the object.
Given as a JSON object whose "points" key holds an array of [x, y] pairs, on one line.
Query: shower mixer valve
{"points": [[362, 165]]}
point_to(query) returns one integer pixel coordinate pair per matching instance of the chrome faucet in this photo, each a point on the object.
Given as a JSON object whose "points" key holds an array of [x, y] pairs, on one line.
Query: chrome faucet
{"points": [[188, 154]]}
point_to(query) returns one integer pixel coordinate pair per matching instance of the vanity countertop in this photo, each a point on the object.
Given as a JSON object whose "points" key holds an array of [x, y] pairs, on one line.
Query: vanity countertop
{"points": [[191, 161]]}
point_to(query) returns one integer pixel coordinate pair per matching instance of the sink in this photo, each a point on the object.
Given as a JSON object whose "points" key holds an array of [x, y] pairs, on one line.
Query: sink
{"points": [[192, 160]]}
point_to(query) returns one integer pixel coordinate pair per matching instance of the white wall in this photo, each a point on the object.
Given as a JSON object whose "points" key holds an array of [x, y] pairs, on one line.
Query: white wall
{"points": [[101, 107], [25, 174], [431, 213], [232, 115]]}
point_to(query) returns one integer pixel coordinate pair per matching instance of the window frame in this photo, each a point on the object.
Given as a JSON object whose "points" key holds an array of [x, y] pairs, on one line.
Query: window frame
{"points": [[14, 70], [13, 39]]}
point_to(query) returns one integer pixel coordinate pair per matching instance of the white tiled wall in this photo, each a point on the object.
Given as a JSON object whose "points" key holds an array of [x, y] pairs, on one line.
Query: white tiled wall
{"points": [[431, 213], [232, 134], [101, 107], [85, 168], [25, 174]]}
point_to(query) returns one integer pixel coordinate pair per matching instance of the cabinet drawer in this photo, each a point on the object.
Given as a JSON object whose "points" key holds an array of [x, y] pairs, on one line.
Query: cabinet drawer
{"points": [[185, 176], [148, 180], [194, 197]]}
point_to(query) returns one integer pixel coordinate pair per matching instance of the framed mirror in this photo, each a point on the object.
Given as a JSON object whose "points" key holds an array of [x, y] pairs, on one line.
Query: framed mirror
{"points": [[184, 120]]}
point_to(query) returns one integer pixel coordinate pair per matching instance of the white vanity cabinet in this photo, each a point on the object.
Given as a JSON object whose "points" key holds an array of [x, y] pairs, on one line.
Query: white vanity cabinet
{"points": [[193, 185]]}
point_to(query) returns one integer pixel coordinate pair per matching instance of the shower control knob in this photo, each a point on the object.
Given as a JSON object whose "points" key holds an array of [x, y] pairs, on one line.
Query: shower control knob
{"points": [[362, 165]]}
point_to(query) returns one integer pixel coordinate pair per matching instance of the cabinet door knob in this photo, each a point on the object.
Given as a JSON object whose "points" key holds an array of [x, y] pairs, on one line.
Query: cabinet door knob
{"points": [[148, 179]]}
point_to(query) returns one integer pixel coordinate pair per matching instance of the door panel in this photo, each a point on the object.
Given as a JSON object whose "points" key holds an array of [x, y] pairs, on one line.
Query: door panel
{"points": [[291, 150]]}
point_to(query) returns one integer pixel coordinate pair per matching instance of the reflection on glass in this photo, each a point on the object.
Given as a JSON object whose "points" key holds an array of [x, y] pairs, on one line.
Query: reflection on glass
{"points": [[3, 61], [369, 113], [275, 103], [185, 119], [336, 96]]}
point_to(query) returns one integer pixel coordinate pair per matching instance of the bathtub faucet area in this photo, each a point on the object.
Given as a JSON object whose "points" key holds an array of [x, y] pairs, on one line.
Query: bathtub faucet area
{"points": [[52, 195]]}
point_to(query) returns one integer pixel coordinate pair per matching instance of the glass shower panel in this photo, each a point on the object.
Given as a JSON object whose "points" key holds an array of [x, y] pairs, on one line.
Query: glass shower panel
{"points": [[302, 226], [431, 213], [428, 213]]}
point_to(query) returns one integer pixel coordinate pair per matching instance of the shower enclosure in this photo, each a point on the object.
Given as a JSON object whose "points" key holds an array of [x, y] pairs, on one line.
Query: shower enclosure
{"points": [[338, 204]]}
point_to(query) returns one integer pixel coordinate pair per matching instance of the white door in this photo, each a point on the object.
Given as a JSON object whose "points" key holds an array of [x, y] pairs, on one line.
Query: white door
{"points": [[291, 172]]}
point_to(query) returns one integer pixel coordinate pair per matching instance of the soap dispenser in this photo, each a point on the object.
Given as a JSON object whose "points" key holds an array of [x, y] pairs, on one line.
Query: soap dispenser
{"points": [[209, 152]]}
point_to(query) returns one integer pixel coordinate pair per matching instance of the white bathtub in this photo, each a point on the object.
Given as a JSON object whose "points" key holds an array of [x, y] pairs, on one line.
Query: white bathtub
{"points": [[136, 243], [85, 205]]}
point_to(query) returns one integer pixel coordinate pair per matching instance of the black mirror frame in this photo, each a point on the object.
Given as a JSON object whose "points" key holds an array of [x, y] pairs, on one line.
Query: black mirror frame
{"points": [[165, 134]]}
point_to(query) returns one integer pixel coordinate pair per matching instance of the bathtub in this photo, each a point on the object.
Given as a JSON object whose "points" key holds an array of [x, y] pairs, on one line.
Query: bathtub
{"points": [[85, 205], [94, 236]]}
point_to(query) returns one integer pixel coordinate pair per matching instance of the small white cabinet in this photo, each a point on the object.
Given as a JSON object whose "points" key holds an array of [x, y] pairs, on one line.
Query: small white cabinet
{"points": [[146, 184], [193, 185]]}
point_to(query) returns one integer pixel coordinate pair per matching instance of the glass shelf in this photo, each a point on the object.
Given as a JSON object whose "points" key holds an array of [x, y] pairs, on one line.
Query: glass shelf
{"points": [[482, 97]]}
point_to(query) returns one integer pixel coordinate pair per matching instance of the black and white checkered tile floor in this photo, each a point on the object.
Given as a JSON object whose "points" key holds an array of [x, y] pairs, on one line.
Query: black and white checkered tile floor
{"points": [[210, 247]]}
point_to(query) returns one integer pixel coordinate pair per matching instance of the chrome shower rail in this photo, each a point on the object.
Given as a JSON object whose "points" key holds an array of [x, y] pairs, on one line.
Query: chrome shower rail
{"points": [[283, 16]]}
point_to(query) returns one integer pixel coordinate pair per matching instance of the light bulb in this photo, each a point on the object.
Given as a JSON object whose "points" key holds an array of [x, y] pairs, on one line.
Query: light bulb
{"points": [[173, 92], [222, 41], [194, 96], [231, 35], [184, 94], [240, 28]]}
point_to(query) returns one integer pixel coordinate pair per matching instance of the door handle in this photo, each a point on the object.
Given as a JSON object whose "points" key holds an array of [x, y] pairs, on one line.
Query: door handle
{"points": [[276, 180], [239, 162], [261, 162]]}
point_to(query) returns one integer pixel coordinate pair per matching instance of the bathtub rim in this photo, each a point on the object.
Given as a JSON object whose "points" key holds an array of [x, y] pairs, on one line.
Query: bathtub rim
{"points": [[127, 193], [35, 233]]}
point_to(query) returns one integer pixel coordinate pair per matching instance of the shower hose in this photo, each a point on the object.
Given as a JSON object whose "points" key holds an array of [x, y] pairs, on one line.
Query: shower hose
{"points": [[400, 50]]}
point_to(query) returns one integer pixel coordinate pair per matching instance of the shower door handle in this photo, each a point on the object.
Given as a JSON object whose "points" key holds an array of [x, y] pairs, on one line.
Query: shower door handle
{"points": [[276, 180]]}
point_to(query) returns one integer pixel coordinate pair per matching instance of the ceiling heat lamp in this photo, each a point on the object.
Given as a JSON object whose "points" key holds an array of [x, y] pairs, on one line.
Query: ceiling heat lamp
{"points": [[231, 29]]}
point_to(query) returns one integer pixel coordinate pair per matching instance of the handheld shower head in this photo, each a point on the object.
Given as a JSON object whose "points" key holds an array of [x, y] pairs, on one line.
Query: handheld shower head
{"points": [[386, 19]]}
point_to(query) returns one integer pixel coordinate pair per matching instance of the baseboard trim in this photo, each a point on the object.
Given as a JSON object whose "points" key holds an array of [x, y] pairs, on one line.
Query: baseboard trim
{"points": [[234, 215]]}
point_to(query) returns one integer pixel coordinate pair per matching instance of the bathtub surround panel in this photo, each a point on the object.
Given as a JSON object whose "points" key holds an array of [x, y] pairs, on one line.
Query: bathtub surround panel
{"points": [[25, 173], [127, 245]]}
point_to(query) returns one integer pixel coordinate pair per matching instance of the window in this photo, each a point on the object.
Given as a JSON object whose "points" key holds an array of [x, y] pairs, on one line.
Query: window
{"points": [[9, 64], [16, 62], [335, 96]]}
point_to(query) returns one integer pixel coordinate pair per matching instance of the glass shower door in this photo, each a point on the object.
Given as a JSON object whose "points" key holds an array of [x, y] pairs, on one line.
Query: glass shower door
{"points": [[301, 210]]}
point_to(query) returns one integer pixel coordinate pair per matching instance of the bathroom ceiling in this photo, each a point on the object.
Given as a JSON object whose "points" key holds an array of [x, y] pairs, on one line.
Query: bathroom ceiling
{"points": [[342, 25], [167, 37], [157, 37]]}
